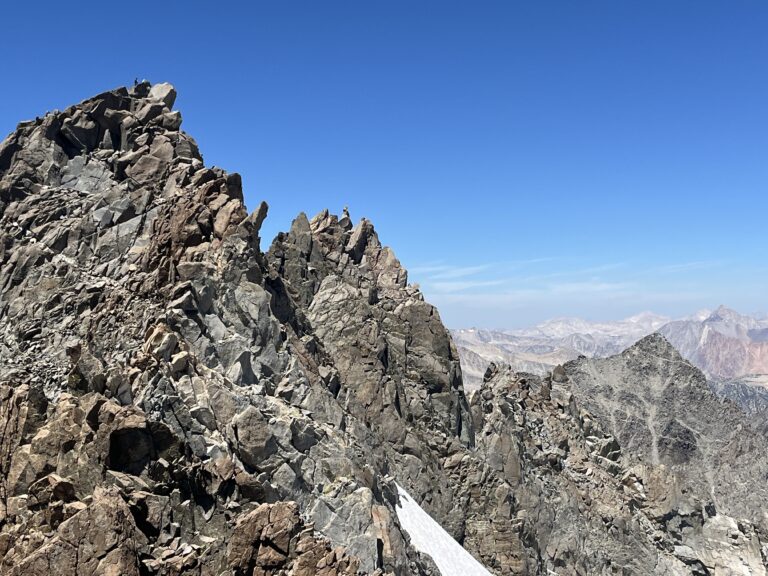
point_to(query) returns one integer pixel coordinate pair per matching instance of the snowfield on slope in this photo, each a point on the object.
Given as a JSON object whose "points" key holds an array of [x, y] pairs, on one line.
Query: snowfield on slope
{"points": [[428, 537]]}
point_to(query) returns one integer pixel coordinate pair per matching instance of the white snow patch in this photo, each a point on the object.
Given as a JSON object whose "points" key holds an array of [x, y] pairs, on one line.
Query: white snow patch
{"points": [[428, 537]]}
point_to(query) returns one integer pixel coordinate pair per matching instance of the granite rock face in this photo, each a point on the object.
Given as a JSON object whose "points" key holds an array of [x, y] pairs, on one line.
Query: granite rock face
{"points": [[176, 400]]}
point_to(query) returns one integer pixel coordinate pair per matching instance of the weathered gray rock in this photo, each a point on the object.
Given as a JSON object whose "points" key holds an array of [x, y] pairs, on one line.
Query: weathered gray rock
{"points": [[163, 92]]}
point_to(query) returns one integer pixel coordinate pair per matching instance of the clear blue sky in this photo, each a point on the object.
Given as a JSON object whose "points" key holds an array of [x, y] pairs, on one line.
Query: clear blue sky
{"points": [[524, 159]]}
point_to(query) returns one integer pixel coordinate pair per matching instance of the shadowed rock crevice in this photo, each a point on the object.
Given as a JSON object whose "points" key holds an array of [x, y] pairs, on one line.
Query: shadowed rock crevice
{"points": [[130, 450]]}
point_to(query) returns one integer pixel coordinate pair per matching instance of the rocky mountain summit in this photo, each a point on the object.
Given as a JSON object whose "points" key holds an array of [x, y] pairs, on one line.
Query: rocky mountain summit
{"points": [[664, 414], [584, 493], [177, 400]]}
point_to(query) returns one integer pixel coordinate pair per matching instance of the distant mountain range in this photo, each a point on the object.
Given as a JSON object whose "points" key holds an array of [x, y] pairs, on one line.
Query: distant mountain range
{"points": [[725, 345]]}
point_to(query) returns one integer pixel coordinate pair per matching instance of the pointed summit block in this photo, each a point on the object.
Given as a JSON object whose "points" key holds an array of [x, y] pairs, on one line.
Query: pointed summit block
{"points": [[655, 345], [164, 92]]}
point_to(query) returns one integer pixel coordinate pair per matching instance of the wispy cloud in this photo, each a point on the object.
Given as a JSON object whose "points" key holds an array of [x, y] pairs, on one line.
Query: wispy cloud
{"points": [[446, 272], [443, 271], [511, 277], [635, 298], [688, 266], [530, 284], [509, 294], [588, 287], [462, 286], [590, 271]]}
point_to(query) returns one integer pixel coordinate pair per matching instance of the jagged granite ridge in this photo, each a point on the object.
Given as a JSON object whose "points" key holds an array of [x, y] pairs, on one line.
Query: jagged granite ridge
{"points": [[141, 354]]}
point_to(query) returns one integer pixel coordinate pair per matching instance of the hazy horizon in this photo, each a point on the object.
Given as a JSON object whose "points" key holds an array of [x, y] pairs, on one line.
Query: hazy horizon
{"points": [[757, 314]]}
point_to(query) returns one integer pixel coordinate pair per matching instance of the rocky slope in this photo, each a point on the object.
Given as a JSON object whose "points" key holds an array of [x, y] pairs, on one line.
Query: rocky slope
{"points": [[666, 418], [178, 401], [749, 392]]}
